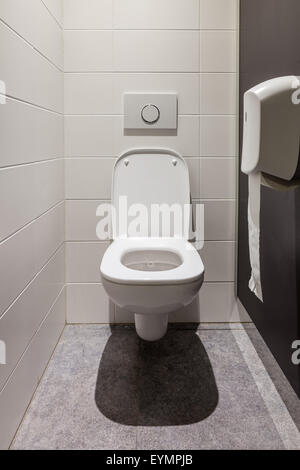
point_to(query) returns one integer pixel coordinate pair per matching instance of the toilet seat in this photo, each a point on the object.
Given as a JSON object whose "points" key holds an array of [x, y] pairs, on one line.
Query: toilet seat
{"points": [[114, 270]]}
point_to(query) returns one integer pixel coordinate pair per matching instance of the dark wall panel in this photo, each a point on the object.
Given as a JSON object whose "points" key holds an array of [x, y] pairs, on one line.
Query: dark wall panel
{"points": [[270, 47]]}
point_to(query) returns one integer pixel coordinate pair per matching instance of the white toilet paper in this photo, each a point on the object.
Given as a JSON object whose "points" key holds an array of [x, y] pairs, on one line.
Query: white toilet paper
{"points": [[256, 180], [254, 233]]}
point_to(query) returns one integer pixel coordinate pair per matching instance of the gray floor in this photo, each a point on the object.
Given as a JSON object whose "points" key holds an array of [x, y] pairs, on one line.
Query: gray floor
{"points": [[198, 388]]}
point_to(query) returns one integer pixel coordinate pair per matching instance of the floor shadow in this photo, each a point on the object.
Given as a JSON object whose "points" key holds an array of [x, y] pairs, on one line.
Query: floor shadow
{"points": [[166, 383]]}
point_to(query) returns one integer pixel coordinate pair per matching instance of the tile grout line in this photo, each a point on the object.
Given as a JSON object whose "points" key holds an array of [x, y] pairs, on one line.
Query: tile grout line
{"points": [[24, 227], [36, 49], [31, 104], [185, 30], [53, 16], [29, 284], [144, 72], [13, 166]]}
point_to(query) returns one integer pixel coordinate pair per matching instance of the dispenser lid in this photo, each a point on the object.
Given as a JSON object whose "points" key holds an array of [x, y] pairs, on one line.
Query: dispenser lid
{"points": [[271, 128], [149, 177]]}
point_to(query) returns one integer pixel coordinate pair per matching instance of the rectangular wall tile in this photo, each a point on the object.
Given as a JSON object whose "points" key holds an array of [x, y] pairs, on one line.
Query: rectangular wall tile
{"points": [[188, 314], [18, 198], [123, 316], [28, 191], [81, 220], [49, 234], [17, 265], [218, 14], [219, 261], [218, 136], [88, 303], [27, 75], [218, 303], [93, 91], [90, 136], [83, 261], [219, 220], [49, 183], [218, 51], [218, 93], [29, 134], [156, 51], [96, 14], [89, 178], [156, 14], [88, 51], [218, 178]]}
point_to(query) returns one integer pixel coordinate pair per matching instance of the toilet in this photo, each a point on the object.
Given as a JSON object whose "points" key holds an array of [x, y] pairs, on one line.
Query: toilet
{"points": [[151, 274]]}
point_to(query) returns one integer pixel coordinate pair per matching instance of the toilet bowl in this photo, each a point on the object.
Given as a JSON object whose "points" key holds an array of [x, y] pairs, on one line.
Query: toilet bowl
{"points": [[151, 276]]}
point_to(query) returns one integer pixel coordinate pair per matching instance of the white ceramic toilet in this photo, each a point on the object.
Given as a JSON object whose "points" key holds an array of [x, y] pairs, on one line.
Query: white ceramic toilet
{"points": [[151, 275]]}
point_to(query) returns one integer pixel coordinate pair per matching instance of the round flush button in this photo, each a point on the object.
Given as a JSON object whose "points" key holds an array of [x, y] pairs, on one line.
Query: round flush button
{"points": [[150, 114]]}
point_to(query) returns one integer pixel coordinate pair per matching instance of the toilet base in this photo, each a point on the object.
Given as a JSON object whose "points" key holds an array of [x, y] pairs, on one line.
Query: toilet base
{"points": [[151, 327]]}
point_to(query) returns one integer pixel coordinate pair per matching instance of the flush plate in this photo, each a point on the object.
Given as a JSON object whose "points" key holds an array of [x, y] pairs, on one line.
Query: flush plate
{"points": [[150, 111]]}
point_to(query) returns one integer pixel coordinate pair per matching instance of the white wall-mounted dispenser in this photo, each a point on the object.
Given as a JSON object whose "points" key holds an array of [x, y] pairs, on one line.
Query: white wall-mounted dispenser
{"points": [[272, 128], [271, 145]]}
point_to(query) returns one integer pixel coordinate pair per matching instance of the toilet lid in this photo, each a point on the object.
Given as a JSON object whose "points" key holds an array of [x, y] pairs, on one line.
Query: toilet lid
{"points": [[146, 177]]}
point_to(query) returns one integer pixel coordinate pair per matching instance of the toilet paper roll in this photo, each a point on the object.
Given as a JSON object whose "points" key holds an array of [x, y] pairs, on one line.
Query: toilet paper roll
{"points": [[255, 180]]}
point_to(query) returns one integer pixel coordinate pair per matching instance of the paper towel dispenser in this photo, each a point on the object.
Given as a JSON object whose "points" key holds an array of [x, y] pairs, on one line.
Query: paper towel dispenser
{"points": [[271, 140], [271, 147]]}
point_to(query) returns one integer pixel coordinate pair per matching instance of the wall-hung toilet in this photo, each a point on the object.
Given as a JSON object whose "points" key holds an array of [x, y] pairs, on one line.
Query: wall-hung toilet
{"points": [[151, 275]]}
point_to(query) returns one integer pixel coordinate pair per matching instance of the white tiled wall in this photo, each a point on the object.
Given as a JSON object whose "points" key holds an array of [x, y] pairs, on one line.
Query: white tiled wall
{"points": [[184, 46], [32, 213]]}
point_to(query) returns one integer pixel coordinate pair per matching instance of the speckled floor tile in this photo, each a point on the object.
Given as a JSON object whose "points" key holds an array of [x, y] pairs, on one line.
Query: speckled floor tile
{"points": [[107, 389], [239, 421], [177, 385], [63, 413], [286, 391]]}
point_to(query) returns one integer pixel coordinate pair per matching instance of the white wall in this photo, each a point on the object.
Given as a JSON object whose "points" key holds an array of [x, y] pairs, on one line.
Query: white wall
{"points": [[186, 46], [32, 298]]}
